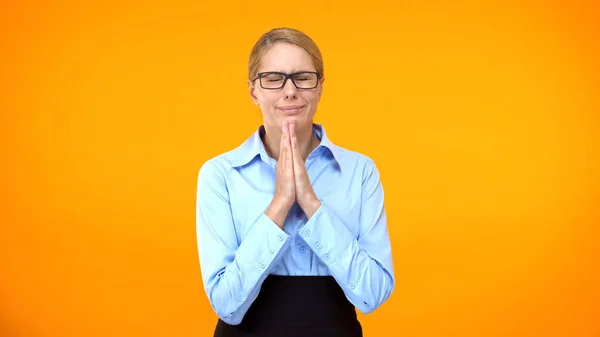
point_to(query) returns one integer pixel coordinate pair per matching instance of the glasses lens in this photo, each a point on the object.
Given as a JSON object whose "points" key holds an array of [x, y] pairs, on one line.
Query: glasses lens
{"points": [[306, 80], [271, 80]]}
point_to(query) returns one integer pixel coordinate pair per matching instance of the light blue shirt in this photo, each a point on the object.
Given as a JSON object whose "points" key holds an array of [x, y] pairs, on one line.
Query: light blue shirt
{"points": [[239, 246]]}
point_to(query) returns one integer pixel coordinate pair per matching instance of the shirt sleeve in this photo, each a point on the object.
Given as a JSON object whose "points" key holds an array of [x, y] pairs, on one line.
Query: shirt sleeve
{"points": [[361, 265], [232, 271]]}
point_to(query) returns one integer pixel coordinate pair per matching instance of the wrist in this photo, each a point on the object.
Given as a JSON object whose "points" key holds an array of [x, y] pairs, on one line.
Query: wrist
{"points": [[277, 212], [310, 206]]}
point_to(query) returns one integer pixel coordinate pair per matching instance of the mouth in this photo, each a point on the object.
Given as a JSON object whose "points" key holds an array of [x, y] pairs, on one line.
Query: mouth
{"points": [[292, 109]]}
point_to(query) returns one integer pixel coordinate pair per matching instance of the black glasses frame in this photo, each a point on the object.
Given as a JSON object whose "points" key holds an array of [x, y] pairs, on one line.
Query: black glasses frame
{"points": [[285, 78]]}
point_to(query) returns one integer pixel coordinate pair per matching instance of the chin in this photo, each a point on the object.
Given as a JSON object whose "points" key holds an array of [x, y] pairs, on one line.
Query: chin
{"points": [[300, 120]]}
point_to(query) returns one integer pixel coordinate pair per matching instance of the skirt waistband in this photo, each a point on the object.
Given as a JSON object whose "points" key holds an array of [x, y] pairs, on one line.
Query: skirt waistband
{"points": [[299, 302]]}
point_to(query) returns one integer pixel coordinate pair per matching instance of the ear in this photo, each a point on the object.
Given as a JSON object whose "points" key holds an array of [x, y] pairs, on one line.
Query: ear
{"points": [[321, 88], [252, 91]]}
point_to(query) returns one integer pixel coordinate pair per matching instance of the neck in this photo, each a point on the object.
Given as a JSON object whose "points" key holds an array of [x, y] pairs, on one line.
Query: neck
{"points": [[306, 140]]}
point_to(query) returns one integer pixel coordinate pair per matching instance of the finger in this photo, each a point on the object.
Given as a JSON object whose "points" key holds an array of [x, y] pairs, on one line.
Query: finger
{"points": [[283, 163], [293, 140], [284, 145], [292, 136], [284, 132], [292, 128], [289, 157], [282, 148], [285, 151], [289, 133], [296, 157]]}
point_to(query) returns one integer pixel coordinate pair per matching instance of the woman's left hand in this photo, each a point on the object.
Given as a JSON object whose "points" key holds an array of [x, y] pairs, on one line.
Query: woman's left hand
{"points": [[305, 195]]}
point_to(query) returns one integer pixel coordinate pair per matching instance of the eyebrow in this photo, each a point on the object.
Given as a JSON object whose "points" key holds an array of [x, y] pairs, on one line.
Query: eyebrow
{"points": [[292, 72]]}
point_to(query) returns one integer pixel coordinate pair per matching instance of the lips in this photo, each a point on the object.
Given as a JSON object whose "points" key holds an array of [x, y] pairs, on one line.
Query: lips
{"points": [[290, 108]]}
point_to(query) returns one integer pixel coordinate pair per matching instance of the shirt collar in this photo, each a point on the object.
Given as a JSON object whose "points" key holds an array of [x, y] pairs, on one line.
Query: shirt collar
{"points": [[254, 146]]}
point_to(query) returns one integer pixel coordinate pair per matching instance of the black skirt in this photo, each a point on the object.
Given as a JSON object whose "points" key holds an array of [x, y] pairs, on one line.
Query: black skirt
{"points": [[294, 306]]}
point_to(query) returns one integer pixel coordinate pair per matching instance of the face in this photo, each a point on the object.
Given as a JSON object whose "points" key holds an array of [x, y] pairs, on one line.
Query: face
{"points": [[289, 102]]}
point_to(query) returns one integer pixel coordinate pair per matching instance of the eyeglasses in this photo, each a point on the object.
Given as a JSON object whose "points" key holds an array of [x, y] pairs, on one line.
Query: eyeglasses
{"points": [[275, 80]]}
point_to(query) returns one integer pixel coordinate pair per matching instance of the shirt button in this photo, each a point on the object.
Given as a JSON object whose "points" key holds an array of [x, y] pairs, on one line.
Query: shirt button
{"points": [[303, 249], [271, 250], [326, 257], [262, 265], [299, 222], [280, 237], [307, 233], [240, 298], [351, 286], [318, 245]]}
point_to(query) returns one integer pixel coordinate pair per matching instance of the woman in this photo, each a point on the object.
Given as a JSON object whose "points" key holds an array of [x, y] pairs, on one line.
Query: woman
{"points": [[291, 229]]}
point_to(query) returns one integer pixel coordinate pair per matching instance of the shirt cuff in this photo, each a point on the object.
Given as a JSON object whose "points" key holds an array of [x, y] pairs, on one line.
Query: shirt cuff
{"points": [[262, 244], [327, 235]]}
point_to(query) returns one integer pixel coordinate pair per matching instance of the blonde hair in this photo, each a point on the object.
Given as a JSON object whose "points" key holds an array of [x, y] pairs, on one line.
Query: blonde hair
{"points": [[284, 35]]}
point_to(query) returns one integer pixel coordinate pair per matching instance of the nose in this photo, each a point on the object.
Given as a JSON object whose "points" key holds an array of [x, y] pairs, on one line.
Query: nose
{"points": [[289, 89]]}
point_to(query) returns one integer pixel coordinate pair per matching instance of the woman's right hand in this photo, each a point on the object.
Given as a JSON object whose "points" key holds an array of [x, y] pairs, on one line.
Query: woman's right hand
{"points": [[285, 191]]}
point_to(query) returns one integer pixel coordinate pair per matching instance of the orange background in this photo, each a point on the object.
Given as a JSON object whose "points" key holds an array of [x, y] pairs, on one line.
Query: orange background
{"points": [[484, 120]]}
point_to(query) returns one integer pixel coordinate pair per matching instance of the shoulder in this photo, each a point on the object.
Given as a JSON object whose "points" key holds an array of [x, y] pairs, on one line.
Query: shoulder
{"points": [[235, 157], [218, 166], [212, 177], [354, 156], [355, 161]]}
